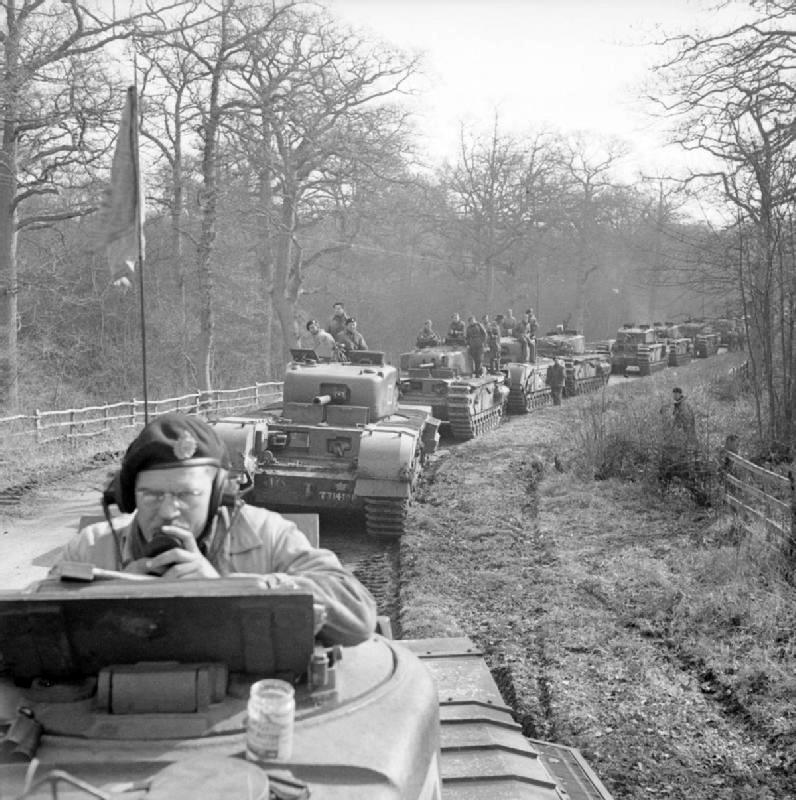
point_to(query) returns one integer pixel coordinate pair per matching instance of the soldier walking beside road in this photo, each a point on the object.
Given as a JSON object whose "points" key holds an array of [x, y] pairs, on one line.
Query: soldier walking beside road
{"points": [[556, 378], [683, 415], [475, 338]]}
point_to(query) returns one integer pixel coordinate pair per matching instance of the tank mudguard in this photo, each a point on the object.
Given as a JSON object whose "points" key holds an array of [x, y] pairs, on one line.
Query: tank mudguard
{"points": [[243, 438], [386, 464]]}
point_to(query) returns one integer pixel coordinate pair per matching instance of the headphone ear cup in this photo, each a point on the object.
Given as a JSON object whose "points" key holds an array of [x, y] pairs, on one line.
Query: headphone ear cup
{"points": [[222, 494], [113, 494]]}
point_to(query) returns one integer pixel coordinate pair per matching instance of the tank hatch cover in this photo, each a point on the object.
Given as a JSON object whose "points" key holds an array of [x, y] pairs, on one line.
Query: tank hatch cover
{"points": [[73, 632]]}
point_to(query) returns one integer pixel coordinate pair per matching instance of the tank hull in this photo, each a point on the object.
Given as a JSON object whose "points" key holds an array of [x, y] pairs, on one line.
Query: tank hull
{"points": [[415, 720], [441, 379]]}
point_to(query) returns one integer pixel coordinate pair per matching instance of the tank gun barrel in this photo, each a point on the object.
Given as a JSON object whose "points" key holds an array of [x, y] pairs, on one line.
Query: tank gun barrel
{"points": [[322, 399]]}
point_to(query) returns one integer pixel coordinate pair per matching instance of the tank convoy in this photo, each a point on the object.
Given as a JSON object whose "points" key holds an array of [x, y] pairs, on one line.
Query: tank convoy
{"points": [[587, 370], [114, 689], [441, 376], [339, 442]]}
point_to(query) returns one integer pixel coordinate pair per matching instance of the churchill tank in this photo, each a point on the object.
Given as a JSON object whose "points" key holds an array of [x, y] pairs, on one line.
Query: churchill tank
{"points": [[637, 351], [340, 442], [587, 370], [441, 377], [114, 689], [679, 348]]}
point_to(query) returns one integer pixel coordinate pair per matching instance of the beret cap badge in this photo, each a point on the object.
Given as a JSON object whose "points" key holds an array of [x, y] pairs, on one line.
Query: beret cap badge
{"points": [[185, 446]]}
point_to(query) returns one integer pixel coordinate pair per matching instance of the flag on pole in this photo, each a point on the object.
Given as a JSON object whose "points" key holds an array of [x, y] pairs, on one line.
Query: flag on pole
{"points": [[123, 205]]}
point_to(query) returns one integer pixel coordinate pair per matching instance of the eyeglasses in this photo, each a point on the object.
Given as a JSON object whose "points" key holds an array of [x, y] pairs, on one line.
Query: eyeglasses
{"points": [[183, 499]]}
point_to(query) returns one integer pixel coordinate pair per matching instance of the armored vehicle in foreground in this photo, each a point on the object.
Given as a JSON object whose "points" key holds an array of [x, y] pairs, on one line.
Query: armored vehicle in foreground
{"points": [[637, 351], [442, 377], [341, 442], [137, 690], [586, 370]]}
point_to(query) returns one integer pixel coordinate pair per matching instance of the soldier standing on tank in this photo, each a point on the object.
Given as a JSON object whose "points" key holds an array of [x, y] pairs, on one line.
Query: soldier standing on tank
{"points": [[475, 338], [493, 342], [509, 324], [532, 323], [350, 338], [428, 336], [338, 320], [456, 330], [522, 333], [556, 378]]}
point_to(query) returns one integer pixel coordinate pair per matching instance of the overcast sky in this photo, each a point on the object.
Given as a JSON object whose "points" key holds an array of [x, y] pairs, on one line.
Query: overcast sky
{"points": [[571, 64]]}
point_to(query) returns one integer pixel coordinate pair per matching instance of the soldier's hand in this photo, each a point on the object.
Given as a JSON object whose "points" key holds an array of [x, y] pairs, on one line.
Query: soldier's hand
{"points": [[182, 562]]}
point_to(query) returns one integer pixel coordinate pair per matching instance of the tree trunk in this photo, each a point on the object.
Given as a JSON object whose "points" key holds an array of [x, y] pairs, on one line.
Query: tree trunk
{"points": [[9, 359]]}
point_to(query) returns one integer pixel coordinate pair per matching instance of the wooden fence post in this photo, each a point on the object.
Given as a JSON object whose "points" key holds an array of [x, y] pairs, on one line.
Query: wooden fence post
{"points": [[37, 425]]}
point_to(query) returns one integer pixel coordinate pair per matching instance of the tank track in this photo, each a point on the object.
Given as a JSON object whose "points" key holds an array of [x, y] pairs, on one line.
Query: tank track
{"points": [[522, 401], [679, 359], [647, 367], [585, 385], [385, 517], [464, 423]]}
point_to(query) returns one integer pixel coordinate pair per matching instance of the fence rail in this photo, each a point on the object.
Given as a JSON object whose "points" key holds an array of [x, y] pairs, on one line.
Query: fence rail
{"points": [[75, 423], [757, 495]]}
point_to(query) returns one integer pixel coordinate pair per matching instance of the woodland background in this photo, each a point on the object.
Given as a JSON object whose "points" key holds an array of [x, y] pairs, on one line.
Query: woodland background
{"points": [[282, 174]]}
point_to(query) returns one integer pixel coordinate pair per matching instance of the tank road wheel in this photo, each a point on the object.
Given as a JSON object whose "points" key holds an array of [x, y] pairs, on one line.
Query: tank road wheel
{"points": [[385, 517]]}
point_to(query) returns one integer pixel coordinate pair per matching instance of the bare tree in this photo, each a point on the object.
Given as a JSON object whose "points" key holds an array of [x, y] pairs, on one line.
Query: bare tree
{"points": [[489, 193], [54, 101], [318, 132], [733, 99]]}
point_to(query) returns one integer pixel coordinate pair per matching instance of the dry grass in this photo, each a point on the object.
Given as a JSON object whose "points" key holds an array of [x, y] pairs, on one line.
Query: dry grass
{"points": [[648, 631]]}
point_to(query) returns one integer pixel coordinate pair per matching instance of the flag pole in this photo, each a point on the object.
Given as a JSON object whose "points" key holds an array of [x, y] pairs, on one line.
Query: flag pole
{"points": [[139, 228]]}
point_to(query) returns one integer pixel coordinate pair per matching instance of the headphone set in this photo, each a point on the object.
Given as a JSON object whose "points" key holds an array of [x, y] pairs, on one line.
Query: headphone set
{"points": [[120, 492]]}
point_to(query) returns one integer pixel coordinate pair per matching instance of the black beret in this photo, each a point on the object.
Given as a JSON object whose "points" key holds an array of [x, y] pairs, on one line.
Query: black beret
{"points": [[170, 440]]}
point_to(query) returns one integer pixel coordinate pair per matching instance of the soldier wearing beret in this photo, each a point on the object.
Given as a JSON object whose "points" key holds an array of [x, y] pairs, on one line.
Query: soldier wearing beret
{"points": [[171, 483]]}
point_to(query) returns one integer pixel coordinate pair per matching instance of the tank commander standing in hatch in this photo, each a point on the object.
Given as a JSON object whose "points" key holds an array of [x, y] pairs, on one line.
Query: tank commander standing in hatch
{"points": [[350, 338], [170, 483], [456, 330], [427, 336], [322, 342], [338, 319], [509, 324]]}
